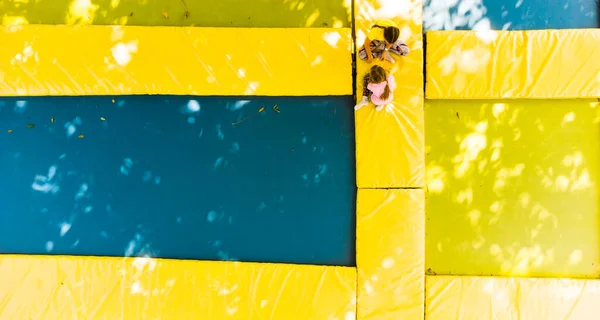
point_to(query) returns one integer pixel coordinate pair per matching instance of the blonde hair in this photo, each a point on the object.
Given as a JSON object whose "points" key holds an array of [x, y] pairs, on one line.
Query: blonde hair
{"points": [[379, 75]]}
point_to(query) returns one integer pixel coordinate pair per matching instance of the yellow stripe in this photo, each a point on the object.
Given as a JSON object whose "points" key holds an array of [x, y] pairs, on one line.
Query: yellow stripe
{"points": [[537, 64], [223, 13], [390, 143], [105, 60], [56, 287], [511, 298], [528, 166], [390, 231], [390, 154]]}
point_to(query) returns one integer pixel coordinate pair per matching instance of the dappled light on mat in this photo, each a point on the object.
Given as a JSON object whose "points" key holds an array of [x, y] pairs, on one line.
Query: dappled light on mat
{"points": [[124, 60], [398, 128], [389, 154], [511, 298], [114, 288], [509, 14], [455, 15], [533, 64], [513, 188], [391, 221], [254, 179], [256, 13]]}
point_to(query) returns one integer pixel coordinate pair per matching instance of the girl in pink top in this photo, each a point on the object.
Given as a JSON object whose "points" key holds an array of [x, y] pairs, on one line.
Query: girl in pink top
{"points": [[379, 86]]}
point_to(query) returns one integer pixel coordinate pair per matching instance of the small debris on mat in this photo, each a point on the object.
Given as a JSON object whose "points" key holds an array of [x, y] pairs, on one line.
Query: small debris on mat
{"points": [[31, 125], [430, 272], [113, 100], [276, 108], [458, 116], [102, 119], [52, 120], [250, 116], [165, 14], [9, 130], [81, 136], [131, 14], [187, 13]]}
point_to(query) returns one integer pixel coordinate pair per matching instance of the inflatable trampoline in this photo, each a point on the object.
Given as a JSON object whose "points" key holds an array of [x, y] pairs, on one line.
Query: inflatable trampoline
{"points": [[179, 160]]}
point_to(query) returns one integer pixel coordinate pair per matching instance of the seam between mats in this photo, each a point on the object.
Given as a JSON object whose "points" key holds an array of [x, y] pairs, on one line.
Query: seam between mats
{"points": [[392, 188], [353, 33]]}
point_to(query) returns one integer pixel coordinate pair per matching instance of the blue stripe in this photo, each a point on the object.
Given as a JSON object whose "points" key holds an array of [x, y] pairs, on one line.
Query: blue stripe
{"points": [[510, 15], [172, 177]]}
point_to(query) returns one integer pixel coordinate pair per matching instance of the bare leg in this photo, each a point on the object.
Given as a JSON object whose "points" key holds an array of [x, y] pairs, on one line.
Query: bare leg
{"points": [[376, 49], [365, 94], [388, 57], [400, 48]]}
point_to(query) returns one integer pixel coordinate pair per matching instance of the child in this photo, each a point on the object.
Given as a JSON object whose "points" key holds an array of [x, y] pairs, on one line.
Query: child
{"points": [[380, 86], [382, 39]]}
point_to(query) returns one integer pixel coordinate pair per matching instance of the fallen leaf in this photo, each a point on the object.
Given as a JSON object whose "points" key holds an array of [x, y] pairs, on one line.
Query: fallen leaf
{"points": [[9, 130], [187, 13], [31, 125]]}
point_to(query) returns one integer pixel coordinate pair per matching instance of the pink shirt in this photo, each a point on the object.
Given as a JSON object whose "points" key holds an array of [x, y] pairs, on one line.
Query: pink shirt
{"points": [[377, 89]]}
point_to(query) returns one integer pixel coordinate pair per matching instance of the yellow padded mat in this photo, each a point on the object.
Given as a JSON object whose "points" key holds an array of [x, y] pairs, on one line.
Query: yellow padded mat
{"points": [[55, 287], [264, 13], [390, 253], [110, 60], [389, 143], [513, 187], [481, 298], [535, 64]]}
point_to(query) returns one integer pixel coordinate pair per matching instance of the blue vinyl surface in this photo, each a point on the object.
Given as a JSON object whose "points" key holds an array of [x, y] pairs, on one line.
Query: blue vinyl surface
{"points": [[172, 177], [509, 15]]}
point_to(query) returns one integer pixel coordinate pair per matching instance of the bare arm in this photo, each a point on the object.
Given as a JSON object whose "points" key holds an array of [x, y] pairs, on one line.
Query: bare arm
{"points": [[367, 46]]}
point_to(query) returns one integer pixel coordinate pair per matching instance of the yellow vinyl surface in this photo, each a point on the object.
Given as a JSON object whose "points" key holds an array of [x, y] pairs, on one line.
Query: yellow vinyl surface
{"points": [[113, 60], [223, 13], [389, 143], [481, 298], [389, 154], [535, 64], [390, 253], [513, 188], [55, 287]]}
